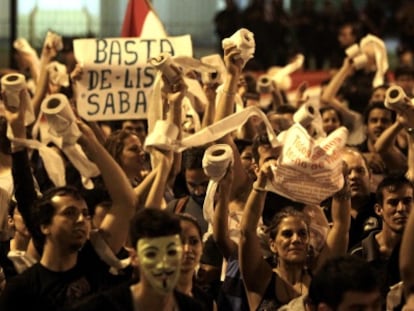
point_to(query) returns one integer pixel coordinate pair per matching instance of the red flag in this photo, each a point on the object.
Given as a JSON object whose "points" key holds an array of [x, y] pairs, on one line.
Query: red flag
{"points": [[142, 21]]}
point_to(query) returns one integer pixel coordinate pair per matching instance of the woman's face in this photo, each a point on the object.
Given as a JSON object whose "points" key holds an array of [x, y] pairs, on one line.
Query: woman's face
{"points": [[132, 156], [192, 246], [291, 241], [330, 121]]}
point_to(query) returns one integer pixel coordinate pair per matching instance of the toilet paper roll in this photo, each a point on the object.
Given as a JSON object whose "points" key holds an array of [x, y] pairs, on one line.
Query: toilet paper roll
{"points": [[396, 99], [163, 63], [58, 74], [217, 158], [264, 84], [61, 118], [12, 84], [243, 39], [211, 78], [360, 61], [216, 61], [53, 40], [304, 115], [163, 136], [352, 51]]}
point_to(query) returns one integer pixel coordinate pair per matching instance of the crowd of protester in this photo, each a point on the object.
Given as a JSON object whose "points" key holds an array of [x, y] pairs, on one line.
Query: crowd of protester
{"points": [[138, 235]]}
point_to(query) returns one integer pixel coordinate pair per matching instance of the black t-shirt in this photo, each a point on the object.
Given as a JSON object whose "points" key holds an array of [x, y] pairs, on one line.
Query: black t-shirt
{"points": [[119, 298], [39, 288]]}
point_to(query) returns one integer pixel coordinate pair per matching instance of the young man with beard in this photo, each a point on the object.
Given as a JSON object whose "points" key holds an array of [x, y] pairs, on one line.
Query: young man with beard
{"points": [[69, 266], [381, 247]]}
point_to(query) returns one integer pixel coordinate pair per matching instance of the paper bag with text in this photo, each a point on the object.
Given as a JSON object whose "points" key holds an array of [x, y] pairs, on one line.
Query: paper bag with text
{"points": [[308, 170]]}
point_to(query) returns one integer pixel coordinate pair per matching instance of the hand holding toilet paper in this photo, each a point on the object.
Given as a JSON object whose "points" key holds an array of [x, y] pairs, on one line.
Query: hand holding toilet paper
{"points": [[13, 84], [62, 122], [216, 161]]}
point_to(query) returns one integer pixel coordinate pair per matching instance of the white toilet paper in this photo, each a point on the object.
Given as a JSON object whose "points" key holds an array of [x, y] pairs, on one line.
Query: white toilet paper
{"points": [[60, 117], [53, 40], [163, 63], [304, 115], [217, 158], [353, 50], [58, 74], [396, 99], [264, 84], [360, 61], [163, 136], [244, 40], [12, 84]]}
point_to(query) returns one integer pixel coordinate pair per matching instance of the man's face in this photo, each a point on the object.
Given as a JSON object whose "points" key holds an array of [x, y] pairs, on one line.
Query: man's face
{"points": [[378, 120], [345, 37], [160, 261], [358, 174], [360, 301], [70, 225], [197, 181], [395, 208]]}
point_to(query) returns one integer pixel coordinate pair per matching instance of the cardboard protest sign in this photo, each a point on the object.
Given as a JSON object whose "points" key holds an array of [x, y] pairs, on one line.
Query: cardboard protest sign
{"points": [[308, 170], [116, 79]]}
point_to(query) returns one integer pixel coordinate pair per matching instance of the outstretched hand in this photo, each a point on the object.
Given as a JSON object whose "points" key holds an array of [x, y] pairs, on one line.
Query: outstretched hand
{"points": [[233, 60]]}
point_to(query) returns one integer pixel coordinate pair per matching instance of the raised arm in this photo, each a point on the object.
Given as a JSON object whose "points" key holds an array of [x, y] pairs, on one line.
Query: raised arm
{"points": [[225, 107], [115, 225], [336, 82], [337, 238], [256, 272], [221, 218], [386, 147], [24, 186], [48, 54]]}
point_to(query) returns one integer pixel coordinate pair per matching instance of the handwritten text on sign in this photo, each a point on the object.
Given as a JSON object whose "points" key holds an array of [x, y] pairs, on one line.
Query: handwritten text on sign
{"points": [[116, 78], [308, 170]]}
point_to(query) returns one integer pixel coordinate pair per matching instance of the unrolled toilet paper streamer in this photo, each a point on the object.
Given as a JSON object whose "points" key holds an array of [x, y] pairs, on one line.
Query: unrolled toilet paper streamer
{"points": [[217, 158], [58, 74], [62, 122], [243, 39], [60, 117], [221, 128], [23, 46], [396, 99], [380, 55], [53, 162], [163, 136], [13, 84]]}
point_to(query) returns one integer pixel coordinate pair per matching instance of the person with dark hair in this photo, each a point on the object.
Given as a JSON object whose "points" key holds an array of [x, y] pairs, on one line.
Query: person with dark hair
{"points": [[331, 119], [192, 241], [377, 119], [289, 240], [394, 196], [155, 238], [344, 283], [59, 223], [404, 77], [196, 182], [363, 217]]}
